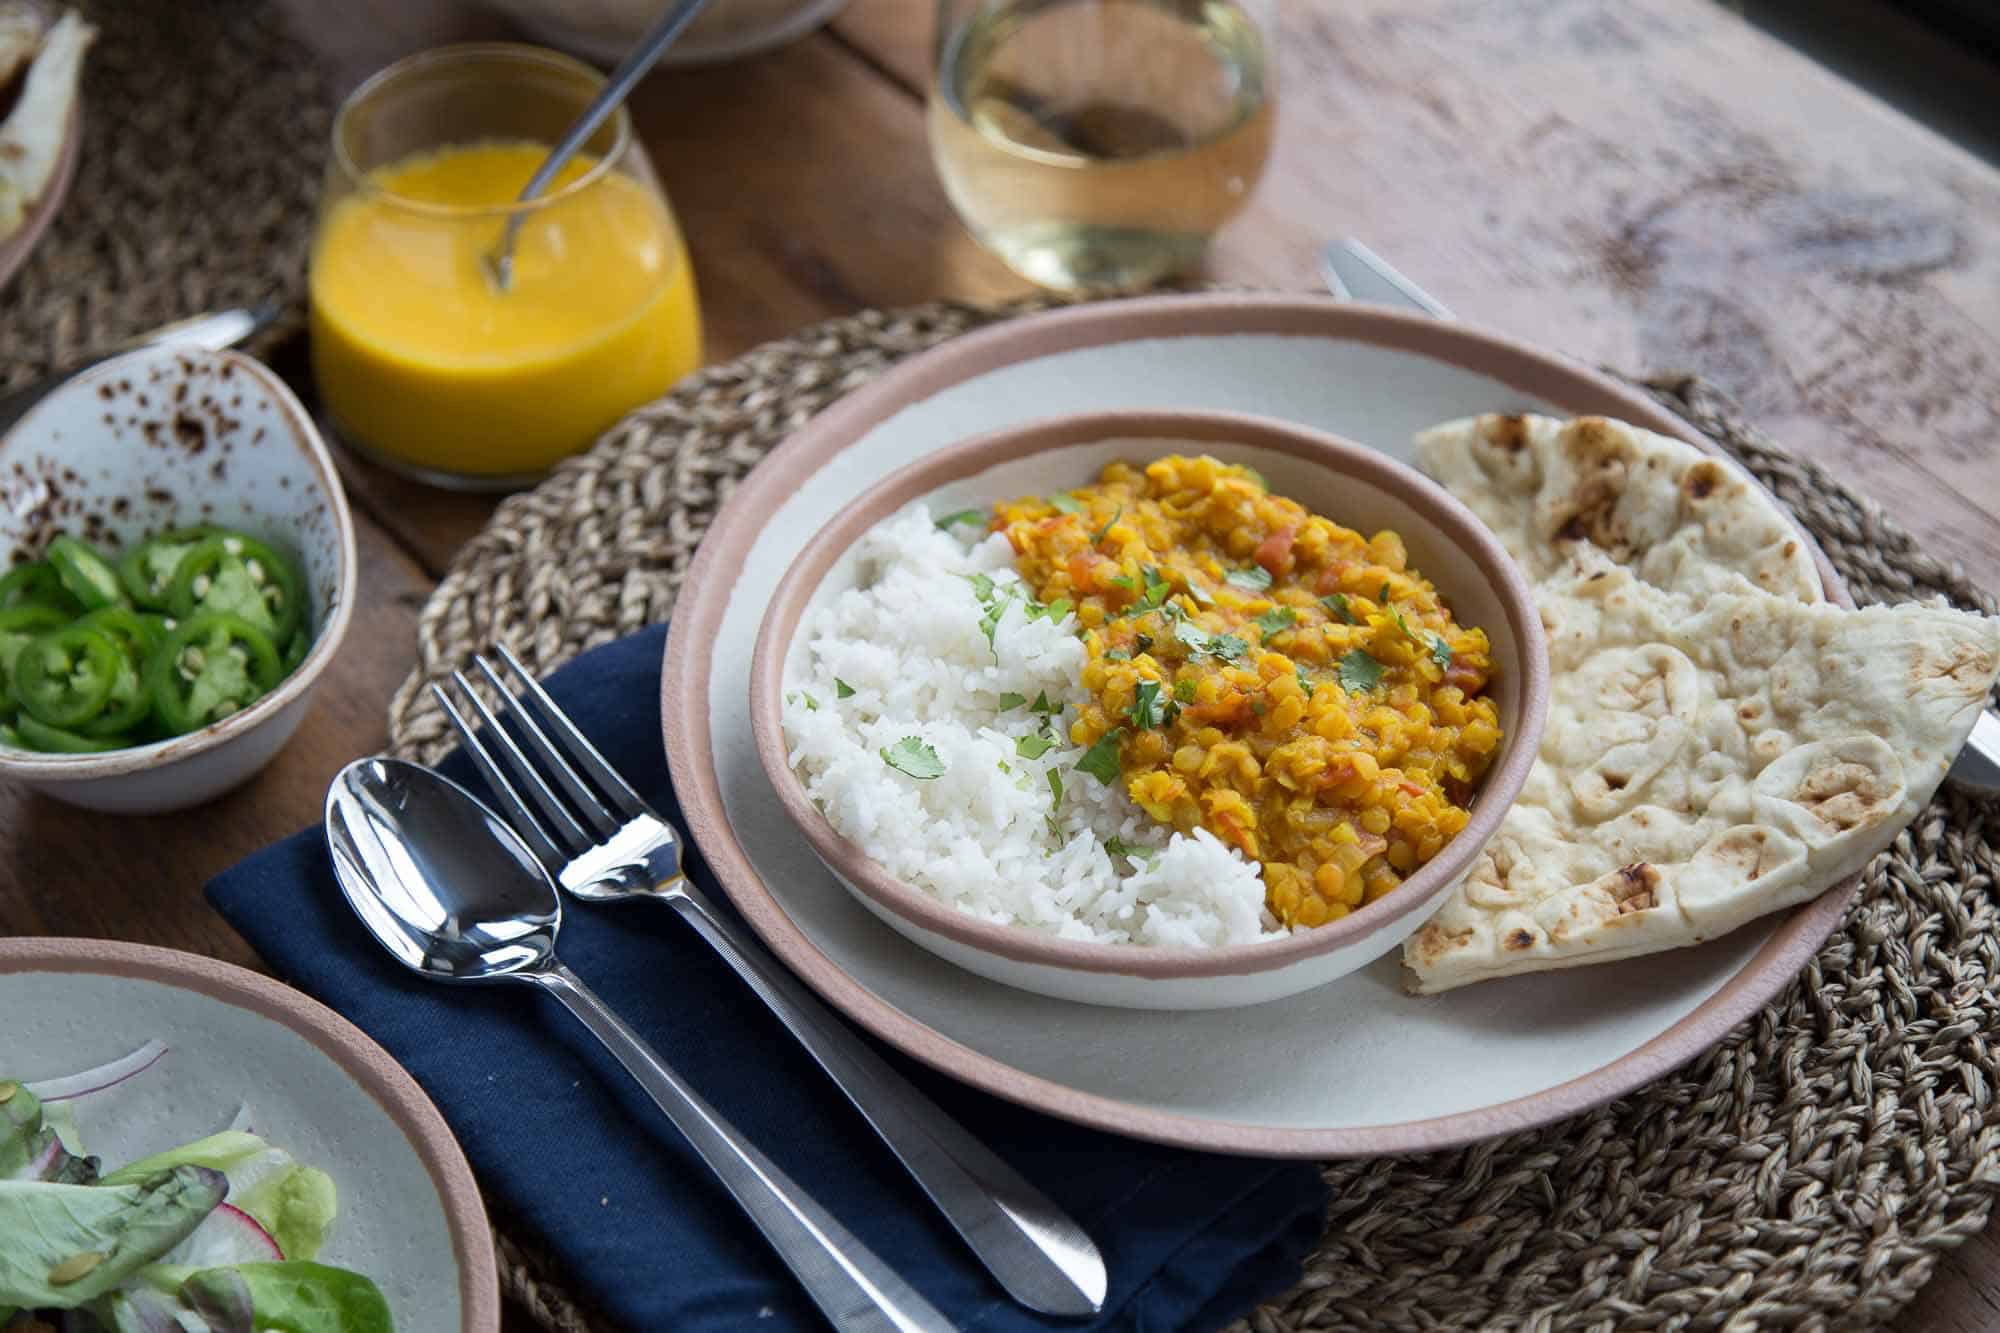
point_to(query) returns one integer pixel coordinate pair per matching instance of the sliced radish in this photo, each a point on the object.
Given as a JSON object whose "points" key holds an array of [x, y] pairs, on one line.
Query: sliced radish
{"points": [[100, 1078], [226, 1236]]}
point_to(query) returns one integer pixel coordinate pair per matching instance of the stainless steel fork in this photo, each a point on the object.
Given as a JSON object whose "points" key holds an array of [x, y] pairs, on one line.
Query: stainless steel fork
{"points": [[603, 843]]}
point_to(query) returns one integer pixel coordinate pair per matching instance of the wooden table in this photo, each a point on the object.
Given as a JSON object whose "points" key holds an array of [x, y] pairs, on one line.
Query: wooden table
{"points": [[1654, 185]]}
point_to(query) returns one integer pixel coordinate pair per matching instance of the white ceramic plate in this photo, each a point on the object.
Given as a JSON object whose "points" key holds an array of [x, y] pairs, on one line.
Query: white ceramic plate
{"points": [[410, 1216], [1354, 1067]]}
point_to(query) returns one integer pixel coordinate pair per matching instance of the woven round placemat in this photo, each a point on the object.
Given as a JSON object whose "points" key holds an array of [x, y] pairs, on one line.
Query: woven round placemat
{"points": [[205, 131], [1807, 1172]]}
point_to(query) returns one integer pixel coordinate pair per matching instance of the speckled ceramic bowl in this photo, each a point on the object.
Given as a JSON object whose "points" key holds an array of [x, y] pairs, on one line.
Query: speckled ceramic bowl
{"points": [[166, 438], [1356, 486]]}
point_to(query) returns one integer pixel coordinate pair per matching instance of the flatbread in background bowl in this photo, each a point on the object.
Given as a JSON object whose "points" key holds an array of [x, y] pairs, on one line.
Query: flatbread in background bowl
{"points": [[41, 65], [1722, 742]]}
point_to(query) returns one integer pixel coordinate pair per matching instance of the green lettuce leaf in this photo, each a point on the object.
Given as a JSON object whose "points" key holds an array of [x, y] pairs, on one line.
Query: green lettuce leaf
{"points": [[296, 1204], [291, 1297], [62, 1246]]}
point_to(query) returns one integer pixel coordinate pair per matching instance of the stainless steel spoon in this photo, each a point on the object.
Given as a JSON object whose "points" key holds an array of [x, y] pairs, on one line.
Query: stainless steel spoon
{"points": [[500, 260], [453, 894]]}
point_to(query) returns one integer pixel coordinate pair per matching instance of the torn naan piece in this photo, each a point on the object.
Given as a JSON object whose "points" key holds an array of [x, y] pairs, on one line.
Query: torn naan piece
{"points": [[1569, 498], [1704, 764], [31, 138]]}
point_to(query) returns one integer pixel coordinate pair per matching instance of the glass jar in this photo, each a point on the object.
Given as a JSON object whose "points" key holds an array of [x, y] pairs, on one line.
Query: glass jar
{"points": [[422, 361]]}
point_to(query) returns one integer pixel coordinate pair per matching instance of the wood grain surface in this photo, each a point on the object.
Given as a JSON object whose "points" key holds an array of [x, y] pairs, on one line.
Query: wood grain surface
{"points": [[1654, 185]]}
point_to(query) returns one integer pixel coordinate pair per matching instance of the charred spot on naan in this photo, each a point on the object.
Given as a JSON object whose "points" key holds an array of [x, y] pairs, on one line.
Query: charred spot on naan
{"points": [[1967, 665], [1508, 432], [1835, 787], [1600, 454]]}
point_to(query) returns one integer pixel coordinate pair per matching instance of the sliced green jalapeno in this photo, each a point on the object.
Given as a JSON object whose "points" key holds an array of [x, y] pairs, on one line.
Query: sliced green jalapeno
{"points": [[147, 570], [36, 584], [36, 735], [212, 665], [65, 677], [240, 576], [19, 625], [88, 576]]}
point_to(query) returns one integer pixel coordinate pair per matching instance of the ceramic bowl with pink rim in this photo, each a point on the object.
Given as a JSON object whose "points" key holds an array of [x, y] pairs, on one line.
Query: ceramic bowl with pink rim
{"points": [[168, 438], [1357, 487], [177, 1046]]}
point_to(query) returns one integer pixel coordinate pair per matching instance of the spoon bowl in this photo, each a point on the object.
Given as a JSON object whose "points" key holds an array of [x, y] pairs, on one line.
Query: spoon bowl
{"points": [[455, 895], [446, 887]]}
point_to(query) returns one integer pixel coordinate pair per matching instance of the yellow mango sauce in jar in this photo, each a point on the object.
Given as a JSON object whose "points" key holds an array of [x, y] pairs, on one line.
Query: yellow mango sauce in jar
{"points": [[421, 358], [1264, 673]]}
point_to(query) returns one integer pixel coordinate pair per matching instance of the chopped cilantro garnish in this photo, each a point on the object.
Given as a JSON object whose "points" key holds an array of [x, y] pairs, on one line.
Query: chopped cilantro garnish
{"points": [[1098, 536], [911, 757], [989, 624], [1042, 704], [812, 704], [1117, 846], [841, 689], [1253, 579], [1101, 759], [1359, 672], [982, 587], [1305, 681], [1276, 620], [1145, 709], [1336, 604], [1184, 691], [1441, 652], [1122, 581], [1055, 829], [1066, 503], [1055, 785], [1384, 598], [1226, 646], [1118, 655], [961, 516], [1011, 700], [1200, 594], [1157, 588], [1033, 747]]}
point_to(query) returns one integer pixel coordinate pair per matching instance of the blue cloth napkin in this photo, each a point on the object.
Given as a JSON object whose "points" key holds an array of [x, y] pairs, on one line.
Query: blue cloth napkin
{"points": [[570, 1151]]}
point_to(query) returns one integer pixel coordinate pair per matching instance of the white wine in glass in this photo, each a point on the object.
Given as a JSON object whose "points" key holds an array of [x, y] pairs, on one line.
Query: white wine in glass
{"points": [[1099, 144]]}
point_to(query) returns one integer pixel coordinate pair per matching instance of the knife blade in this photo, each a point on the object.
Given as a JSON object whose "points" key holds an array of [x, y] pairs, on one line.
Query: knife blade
{"points": [[216, 330], [1353, 272]]}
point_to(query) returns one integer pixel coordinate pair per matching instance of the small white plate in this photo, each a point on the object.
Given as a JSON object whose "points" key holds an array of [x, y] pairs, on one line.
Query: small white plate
{"points": [[410, 1216], [1354, 1067]]}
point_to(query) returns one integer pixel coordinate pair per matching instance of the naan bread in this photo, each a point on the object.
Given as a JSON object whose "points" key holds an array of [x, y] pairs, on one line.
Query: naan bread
{"points": [[31, 138], [1570, 498], [1701, 770], [1721, 742]]}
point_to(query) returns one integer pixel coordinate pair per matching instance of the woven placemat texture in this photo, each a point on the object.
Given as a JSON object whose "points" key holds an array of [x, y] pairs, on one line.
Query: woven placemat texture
{"points": [[1807, 1172], [205, 133]]}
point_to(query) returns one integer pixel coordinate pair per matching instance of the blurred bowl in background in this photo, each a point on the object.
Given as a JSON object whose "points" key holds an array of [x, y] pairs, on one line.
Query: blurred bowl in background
{"points": [[603, 30]]}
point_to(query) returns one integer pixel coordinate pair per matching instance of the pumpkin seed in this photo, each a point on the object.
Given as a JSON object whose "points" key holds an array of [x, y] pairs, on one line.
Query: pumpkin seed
{"points": [[75, 1267]]}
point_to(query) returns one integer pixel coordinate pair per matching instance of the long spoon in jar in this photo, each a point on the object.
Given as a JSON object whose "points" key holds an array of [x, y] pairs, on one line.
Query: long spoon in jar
{"points": [[499, 261]]}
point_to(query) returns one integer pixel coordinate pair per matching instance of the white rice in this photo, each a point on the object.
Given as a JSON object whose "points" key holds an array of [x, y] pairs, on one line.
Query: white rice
{"points": [[987, 835]]}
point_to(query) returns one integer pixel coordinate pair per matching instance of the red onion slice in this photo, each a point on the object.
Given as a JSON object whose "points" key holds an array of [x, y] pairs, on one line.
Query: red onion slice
{"points": [[97, 1080]]}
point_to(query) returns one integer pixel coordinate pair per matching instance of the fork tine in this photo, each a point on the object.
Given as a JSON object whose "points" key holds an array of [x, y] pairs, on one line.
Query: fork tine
{"points": [[552, 759], [558, 822], [581, 752], [518, 815]]}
